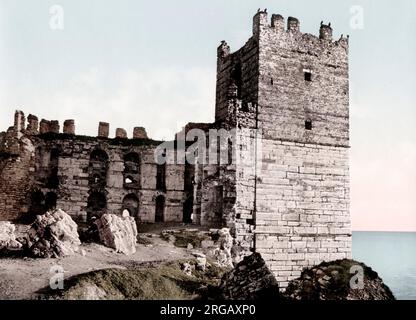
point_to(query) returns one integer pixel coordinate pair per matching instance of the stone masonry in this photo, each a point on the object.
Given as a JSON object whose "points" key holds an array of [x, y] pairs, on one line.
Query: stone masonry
{"points": [[286, 93], [84, 176], [284, 99]]}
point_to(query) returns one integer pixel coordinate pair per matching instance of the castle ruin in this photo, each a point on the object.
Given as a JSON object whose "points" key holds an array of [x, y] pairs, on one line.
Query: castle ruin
{"points": [[286, 96]]}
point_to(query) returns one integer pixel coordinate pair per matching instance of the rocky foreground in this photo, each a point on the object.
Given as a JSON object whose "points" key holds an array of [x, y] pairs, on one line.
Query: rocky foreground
{"points": [[335, 280], [207, 266]]}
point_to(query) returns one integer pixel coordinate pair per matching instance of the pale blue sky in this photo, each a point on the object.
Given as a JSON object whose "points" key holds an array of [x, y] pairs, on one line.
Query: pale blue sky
{"points": [[153, 64]]}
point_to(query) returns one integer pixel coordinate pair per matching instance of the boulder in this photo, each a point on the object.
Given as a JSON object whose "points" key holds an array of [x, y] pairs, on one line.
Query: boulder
{"points": [[8, 240], [118, 233], [53, 234], [337, 280], [186, 268], [223, 254], [251, 279], [200, 260]]}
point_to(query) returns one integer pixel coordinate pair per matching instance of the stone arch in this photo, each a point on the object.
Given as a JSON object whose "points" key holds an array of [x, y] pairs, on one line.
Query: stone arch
{"points": [[160, 208], [96, 205], [131, 173], [131, 204], [98, 167]]}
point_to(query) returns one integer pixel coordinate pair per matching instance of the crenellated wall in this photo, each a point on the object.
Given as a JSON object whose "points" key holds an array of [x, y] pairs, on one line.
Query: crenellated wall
{"points": [[85, 176]]}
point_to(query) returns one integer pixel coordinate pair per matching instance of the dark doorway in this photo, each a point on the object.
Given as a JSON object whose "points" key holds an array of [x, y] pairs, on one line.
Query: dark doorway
{"points": [[50, 201], [37, 203], [188, 209], [97, 203], [160, 209]]}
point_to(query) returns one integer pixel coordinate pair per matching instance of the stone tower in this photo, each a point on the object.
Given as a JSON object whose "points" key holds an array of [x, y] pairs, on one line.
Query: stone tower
{"points": [[291, 88]]}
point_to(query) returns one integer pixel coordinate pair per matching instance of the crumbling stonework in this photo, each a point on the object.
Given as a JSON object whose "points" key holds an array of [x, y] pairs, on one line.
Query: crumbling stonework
{"points": [[8, 240], [84, 176], [251, 279], [284, 191]]}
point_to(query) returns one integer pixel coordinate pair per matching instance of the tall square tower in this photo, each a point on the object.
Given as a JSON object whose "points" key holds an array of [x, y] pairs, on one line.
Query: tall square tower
{"points": [[292, 89]]}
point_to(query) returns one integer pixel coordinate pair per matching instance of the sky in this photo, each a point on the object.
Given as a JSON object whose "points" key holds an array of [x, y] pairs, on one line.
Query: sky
{"points": [[153, 64]]}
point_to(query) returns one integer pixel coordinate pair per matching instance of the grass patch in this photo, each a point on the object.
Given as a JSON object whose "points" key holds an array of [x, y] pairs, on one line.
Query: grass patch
{"points": [[163, 282]]}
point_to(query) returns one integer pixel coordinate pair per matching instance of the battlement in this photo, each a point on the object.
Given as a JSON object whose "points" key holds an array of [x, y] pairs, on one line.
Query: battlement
{"points": [[35, 127], [277, 24], [289, 36]]}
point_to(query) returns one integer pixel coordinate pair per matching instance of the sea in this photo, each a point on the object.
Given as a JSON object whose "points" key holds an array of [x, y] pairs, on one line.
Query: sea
{"points": [[392, 255]]}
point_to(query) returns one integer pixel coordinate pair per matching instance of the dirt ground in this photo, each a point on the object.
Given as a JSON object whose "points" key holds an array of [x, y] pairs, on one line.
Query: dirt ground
{"points": [[22, 278]]}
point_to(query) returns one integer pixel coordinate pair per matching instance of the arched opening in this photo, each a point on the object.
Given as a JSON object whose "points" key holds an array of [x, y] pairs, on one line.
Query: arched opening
{"points": [[160, 209], [98, 169], [37, 203], [50, 201], [131, 205], [131, 171], [97, 203]]}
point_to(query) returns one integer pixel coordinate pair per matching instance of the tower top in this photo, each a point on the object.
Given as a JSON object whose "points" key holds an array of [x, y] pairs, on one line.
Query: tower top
{"points": [[277, 25]]}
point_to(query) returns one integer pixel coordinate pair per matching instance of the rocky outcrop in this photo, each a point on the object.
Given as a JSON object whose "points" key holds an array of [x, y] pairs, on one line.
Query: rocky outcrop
{"points": [[53, 234], [118, 233], [251, 279], [339, 280], [8, 240]]}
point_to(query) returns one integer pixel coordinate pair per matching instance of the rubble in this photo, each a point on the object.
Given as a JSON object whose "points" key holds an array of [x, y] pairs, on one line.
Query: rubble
{"points": [[222, 253], [119, 233], [201, 261], [251, 279], [53, 234], [8, 240], [186, 268]]}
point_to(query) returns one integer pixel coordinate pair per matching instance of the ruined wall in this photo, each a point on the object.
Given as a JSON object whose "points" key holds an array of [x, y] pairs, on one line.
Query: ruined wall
{"points": [[85, 176], [75, 189], [16, 169]]}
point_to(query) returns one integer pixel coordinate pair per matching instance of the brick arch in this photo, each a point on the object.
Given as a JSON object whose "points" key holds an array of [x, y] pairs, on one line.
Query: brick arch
{"points": [[98, 167], [131, 204], [131, 172]]}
